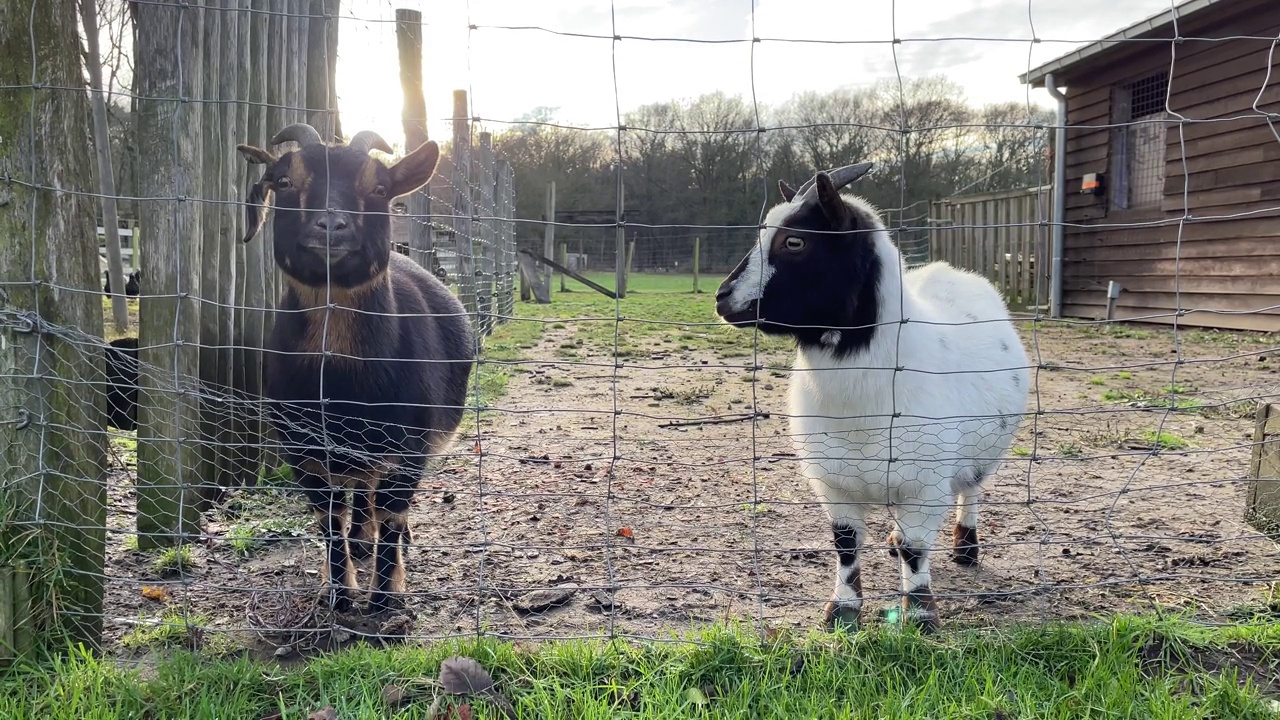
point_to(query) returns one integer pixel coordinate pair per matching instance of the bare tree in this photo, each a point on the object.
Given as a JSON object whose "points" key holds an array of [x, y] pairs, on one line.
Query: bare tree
{"points": [[106, 173]]}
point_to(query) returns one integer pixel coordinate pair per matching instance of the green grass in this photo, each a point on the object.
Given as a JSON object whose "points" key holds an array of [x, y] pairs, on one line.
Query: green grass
{"points": [[1122, 669], [660, 312], [1165, 440]]}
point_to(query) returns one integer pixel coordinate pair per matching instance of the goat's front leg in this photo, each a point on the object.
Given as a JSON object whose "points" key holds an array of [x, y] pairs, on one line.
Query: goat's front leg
{"points": [[849, 531], [919, 521], [391, 512], [329, 505]]}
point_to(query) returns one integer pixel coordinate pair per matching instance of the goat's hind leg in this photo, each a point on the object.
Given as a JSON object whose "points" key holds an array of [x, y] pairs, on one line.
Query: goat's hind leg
{"points": [[330, 507], [964, 549]]}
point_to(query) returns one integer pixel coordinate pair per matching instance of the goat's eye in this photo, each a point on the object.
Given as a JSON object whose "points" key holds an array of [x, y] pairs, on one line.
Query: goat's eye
{"points": [[284, 182], [380, 191], [794, 243]]}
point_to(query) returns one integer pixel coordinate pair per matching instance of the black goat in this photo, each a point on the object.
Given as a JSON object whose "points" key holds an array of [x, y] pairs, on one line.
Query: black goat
{"points": [[131, 286], [121, 370], [367, 365]]}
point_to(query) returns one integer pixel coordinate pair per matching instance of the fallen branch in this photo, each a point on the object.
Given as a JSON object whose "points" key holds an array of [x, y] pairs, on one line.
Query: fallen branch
{"points": [[715, 421]]}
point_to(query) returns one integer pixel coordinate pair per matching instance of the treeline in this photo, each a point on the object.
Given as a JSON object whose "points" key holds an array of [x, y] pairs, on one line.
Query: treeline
{"points": [[702, 162]]}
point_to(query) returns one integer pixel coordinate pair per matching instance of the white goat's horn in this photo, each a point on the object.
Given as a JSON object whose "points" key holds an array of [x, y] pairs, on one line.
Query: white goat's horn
{"points": [[840, 177], [301, 133]]}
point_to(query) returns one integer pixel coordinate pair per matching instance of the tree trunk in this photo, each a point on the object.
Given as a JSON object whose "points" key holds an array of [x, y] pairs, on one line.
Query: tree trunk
{"points": [[106, 175], [169, 154], [51, 399]]}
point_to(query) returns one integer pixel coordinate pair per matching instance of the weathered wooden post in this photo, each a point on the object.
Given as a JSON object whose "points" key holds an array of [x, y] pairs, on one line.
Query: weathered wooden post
{"points": [[414, 119], [1262, 509], [484, 177], [620, 242], [462, 226], [549, 232], [507, 243], [171, 142], [697, 259], [51, 419]]}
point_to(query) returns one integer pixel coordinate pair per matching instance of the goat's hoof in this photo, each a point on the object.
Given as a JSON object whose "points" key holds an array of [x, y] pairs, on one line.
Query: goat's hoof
{"points": [[894, 541], [965, 549], [921, 610], [380, 602], [840, 617], [341, 600]]}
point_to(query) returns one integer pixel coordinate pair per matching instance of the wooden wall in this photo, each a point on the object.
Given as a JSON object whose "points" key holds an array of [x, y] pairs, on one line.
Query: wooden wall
{"points": [[1227, 256]]}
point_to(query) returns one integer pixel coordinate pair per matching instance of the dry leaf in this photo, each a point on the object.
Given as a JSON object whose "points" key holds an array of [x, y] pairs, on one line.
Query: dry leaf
{"points": [[476, 448], [626, 533], [394, 696], [157, 593], [326, 714], [462, 675]]}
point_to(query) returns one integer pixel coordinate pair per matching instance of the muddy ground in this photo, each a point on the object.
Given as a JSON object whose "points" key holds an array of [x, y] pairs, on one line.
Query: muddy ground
{"points": [[526, 538]]}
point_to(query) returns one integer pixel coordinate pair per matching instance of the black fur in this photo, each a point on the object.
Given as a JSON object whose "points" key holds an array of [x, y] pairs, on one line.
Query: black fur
{"points": [[121, 372], [830, 284], [131, 286], [390, 380]]}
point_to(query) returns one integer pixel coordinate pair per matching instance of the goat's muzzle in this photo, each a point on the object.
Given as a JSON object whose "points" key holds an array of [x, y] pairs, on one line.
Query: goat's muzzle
{"points": [[743, 316]]}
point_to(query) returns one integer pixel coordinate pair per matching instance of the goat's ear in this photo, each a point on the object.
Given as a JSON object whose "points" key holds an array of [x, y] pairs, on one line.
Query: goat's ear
{"points": [[788, 192], [829, 199], [256, 155], [415, 169]]}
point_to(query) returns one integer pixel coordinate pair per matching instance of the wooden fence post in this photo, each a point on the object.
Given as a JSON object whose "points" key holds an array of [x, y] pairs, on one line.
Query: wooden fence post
{"points": [[169, 131], [413, 117], [697, 259], [1262, 508], [488, 238], [507, 244], [50, 386], [462, 227], [549, 231]]}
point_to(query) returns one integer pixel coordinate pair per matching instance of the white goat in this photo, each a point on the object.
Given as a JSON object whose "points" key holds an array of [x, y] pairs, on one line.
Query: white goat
{"points": [[908, 386]]}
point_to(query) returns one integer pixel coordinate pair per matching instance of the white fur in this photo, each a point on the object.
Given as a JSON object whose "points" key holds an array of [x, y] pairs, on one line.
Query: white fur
{"points": [[956, 378], [755, 276]]}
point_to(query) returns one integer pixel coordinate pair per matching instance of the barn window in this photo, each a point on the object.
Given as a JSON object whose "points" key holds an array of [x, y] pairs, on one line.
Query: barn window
{"points": [[1138, 142]]}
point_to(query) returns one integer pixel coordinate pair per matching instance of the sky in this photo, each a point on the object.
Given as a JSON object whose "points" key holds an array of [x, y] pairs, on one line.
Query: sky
{"points": [[565, 59]]}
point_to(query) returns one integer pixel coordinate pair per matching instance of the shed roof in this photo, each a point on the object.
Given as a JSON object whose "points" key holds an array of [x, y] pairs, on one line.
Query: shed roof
{"points": [[1183, 12]]}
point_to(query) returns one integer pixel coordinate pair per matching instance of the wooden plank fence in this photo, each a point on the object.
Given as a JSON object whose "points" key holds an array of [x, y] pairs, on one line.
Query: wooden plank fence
{"points": [[1003, 236]]}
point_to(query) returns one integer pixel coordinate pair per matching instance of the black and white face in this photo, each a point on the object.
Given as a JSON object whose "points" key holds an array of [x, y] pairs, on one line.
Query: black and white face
{"points": [[812, 270]]}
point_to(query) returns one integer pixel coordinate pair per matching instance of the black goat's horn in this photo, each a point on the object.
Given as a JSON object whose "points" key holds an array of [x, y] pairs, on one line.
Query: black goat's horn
{"points": [[840, 177], [367, 140], [301, 133]]}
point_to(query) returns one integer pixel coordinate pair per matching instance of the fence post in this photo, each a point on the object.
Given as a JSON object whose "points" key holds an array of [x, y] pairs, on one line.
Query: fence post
{"points": [[488, 237], [549, 230], [169, 131], [507, 244], [564, 260], [50, 385], [620, 242], [462, 204], [414, 119], [697, 252]]}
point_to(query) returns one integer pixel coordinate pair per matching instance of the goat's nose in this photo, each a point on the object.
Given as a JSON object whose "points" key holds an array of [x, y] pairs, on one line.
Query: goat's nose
{"points": [[331, 222], [722, 292]]}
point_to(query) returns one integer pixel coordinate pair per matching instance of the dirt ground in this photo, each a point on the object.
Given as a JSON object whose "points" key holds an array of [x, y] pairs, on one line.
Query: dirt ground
{"points": [[526, 538]]}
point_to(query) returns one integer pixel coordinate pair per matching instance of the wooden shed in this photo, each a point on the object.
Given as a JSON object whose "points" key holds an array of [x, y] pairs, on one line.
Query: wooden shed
{"points": [[1179, 205]]}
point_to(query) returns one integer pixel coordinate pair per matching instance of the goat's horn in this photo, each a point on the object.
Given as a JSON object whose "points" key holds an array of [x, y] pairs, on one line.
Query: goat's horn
{"points": [[367, 140], [840, 177], [301, 133]]}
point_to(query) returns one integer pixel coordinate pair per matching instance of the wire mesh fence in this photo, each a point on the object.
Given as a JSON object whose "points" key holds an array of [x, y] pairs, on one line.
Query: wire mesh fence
{"points": [[627, 461]]}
